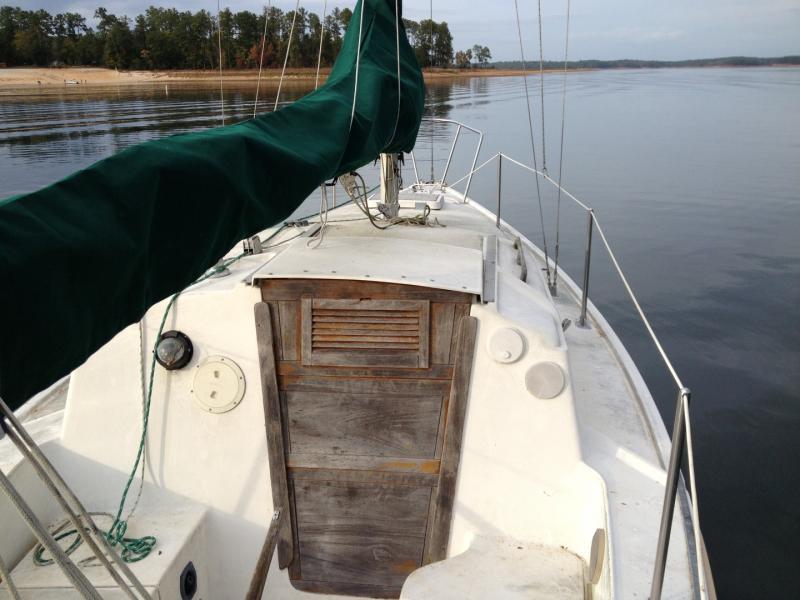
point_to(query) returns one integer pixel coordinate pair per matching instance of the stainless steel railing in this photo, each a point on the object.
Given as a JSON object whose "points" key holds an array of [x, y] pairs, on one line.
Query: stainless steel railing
{"points": [[681, 433], [459, 127]]}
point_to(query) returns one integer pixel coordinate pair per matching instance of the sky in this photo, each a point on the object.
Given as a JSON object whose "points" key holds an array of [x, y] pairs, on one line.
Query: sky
{"points": [[610, 29]]}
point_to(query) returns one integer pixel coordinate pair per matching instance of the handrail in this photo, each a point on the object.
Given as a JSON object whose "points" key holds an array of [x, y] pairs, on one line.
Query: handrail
{"points": [[472, 170], [71, 505], [682, 431]]}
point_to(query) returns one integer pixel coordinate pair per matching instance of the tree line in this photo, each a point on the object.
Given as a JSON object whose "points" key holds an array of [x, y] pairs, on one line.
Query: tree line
{"points": [[166, 38], [727, 61]]}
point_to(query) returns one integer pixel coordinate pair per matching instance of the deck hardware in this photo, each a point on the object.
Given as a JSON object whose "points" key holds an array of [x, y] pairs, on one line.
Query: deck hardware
{"points": [[523, 265], [218, 270], [313, 230], [586, 265], [499, 187], [252, 245], [597, 556], [174, 350], [188, 582], [450, 156], [489, 268], [545, 380], [670, 493], [506, 345], [565, 324], [218, 385]]}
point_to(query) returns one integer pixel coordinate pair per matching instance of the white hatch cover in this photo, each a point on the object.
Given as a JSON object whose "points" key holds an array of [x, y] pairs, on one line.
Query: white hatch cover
{"points": [[385, 259], [218, 384]]}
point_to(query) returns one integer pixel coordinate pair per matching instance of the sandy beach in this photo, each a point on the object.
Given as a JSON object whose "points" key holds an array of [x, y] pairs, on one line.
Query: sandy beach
{"points": [[25, 77]]}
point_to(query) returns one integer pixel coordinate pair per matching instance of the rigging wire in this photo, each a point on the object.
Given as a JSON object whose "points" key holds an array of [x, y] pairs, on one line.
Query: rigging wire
{"points": [[561, 147], [541, 87], [219, 45], [286, 58], [358, 65], [321, 38], [261, 61], [533, 143]]}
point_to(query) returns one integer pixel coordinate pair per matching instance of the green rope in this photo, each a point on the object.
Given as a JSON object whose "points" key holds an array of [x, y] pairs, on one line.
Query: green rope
{"points": [[38, 556], [135, 549]]}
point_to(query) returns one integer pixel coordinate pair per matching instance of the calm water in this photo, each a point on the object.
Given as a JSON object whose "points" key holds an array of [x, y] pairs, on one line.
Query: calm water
{"points": [[695, 175]]}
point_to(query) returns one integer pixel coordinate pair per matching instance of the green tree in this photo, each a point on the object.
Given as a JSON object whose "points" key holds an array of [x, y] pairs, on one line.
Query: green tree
{"points": [[8, 29], [482, 54], [463, 58], [442, 46], [118, 51], [32, 37], [166, 38]]}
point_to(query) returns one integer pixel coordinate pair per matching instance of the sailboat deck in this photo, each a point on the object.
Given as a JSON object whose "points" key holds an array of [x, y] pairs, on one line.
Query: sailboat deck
{"points": [[622, 435], [525, 480]]}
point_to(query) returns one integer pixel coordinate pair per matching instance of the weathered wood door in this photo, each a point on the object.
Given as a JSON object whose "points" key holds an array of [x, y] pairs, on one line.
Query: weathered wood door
{"points": [[366, 393]]}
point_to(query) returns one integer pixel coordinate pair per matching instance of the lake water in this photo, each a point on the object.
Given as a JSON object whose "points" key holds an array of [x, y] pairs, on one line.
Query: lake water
{"points": [[695, 176]]}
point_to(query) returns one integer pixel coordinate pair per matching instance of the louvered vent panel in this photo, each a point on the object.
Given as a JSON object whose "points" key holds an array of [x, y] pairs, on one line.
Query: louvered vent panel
{"points": [[365, 332]]}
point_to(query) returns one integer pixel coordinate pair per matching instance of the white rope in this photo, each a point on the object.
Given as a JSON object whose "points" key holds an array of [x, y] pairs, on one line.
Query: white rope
{"points": [[541, 87], [358, 64], [561, 148], [315, 242], [321, 39], [533, 144], [261, 62], [286, 58], [219, 45]]}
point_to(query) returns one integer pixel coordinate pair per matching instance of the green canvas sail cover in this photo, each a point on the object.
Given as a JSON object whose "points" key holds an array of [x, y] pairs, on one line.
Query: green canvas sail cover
{"points": [[82, 259]]}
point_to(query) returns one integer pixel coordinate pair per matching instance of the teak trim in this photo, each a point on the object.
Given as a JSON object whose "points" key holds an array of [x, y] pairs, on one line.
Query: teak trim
{"points": [[259, 578], [272, 423], [441, 519]]}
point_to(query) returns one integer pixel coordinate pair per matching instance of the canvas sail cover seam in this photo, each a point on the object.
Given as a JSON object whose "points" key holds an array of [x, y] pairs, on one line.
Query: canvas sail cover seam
{"points": [[85, 257]]}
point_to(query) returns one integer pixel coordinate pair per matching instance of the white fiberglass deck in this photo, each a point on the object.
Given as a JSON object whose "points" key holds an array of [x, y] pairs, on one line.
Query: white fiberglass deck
{"points": [[537, 478]]}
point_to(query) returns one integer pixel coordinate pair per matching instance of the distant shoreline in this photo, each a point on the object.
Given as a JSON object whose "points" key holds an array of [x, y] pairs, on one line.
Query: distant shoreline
{"points": [[76, 77], [51, 79]]}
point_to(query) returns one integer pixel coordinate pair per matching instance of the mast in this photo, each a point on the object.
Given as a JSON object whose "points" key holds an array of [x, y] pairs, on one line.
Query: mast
{"points": [[391, 182]]}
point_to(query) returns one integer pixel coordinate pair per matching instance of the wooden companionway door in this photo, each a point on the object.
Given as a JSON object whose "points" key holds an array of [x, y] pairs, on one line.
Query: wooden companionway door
{"points": [[365, 388]]}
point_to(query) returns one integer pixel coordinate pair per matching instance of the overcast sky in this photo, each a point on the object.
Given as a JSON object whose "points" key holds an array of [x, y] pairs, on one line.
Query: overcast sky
{"points": [[646, 29]]}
